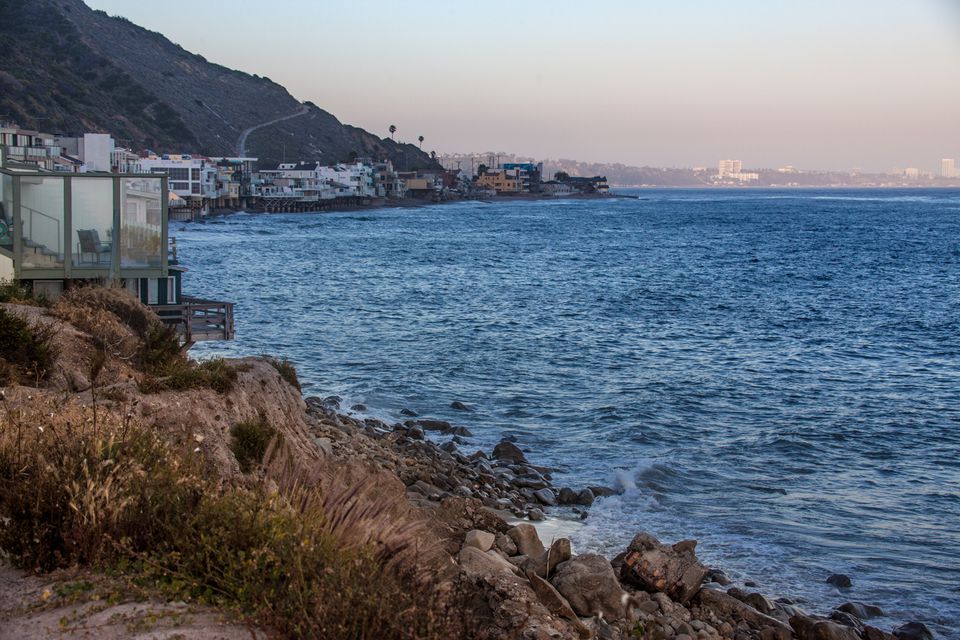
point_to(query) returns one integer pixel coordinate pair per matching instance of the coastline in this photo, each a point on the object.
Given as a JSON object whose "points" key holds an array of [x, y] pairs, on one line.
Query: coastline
{"points": [[477, 510]]}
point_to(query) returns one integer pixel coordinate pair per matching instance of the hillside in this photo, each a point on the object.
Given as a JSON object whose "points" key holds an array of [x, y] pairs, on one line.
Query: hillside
{"points": [[65, 68]]}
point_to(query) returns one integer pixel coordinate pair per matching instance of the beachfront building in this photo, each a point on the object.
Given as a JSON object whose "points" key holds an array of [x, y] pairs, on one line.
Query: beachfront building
{"points": [[557, 189], [60, 229], [387, 182], [358, 177], [530, 175], [500, 180], [193, 178], [34, 148]]}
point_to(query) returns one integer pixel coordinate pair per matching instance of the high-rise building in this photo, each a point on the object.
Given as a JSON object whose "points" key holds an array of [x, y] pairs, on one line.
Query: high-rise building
{"points": [[948, 168], [730, 166]]}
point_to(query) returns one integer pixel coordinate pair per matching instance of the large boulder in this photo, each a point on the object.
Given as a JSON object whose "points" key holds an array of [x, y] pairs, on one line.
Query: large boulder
{"points": [[861, 610], [673, 570], [590, 586], [509, 452], [559, 551], [481, 540], [725, 606], [913, 631], [811, 628], [528, 542], [476, 562], [556, 603]]}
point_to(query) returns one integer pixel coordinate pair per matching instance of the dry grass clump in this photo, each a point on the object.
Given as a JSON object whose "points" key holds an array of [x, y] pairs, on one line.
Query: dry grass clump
{"points": [[27, 353], [313, 559], [286, 370]]}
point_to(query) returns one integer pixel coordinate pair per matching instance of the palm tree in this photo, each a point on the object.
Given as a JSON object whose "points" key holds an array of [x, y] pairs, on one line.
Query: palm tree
{"points": [[393, 130], [421, 142]]}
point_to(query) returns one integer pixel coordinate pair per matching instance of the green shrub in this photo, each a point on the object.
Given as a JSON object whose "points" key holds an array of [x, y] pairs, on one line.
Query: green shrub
{"points": [[250, 441], [184, 375], [286, 370], [161, 349], [16, 293], [26, 353]]}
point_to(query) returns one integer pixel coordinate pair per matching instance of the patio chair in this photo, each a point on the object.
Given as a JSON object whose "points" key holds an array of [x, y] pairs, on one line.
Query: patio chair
{"points": [[90, 244]]}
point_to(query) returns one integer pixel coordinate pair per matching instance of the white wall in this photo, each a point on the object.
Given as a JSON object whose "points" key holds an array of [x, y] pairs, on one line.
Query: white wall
{"points": [[96, 151]]}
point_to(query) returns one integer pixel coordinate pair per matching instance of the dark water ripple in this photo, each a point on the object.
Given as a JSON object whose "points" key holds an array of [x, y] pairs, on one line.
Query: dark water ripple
{"points": [[776, 374]]}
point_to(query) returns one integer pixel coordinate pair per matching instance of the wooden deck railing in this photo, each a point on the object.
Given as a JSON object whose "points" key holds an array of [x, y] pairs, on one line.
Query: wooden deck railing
{"points": [[197, 319]]}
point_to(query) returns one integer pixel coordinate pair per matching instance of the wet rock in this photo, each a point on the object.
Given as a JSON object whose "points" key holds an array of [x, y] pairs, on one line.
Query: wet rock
{"points": [[847, 620], [359, 407], [840, 581], [674, 570], [508, 451], [718, 576], [463, 492], [434, 425], [559, 551], [567, 496], [528, 542], [775, 633], [459, 406], [872, 633], [409, 413], [590, 586], [760, 603], [449, 446], [726, 607], [536, 514], [416, 433], [462, 432], [585, 497], [810, 628], [482, 540], [913, 631], [333, 401], [508, 437], [604, 492], [861, 610], [546, 497]]}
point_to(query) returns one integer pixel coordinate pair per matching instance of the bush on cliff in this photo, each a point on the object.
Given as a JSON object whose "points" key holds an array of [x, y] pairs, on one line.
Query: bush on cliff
{"points": [[286, 370], [307, 557], [26, 352], [250, 441]]}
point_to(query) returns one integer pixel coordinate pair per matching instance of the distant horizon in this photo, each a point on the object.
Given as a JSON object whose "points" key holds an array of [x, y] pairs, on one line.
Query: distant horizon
{"points": [[864, 85]]}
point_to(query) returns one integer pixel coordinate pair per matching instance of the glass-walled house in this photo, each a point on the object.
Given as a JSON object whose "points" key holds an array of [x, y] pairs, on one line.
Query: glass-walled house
{"points": [[58, 229]]}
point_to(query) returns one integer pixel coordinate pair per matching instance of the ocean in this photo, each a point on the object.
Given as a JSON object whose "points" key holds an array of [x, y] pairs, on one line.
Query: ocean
{"points": [[773, 373]]}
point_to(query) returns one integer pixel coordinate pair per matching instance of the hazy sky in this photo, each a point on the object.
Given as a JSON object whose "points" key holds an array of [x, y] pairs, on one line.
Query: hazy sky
{"points": [[817, 84]]}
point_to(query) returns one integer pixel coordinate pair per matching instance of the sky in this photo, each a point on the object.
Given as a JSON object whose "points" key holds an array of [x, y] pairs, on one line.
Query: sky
{"points": [[829, 84]]}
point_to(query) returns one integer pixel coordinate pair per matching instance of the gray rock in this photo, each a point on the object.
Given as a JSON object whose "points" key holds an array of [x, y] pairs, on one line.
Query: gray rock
{"points": [[861, 610], [528, 542], [506, 544], [718, 576], [546, 497], [840, 581], [604, 492], [673, 570], [559, 551], [810, 628], [409, 413], [435, 425], [847, 620], [325, 445], [463, 432], [913, 631], [459, 406], [508, 451], [872, 633], [477, 562], [359, 407], [463, 492], [567, 496], [585, 497], [482, 540], [416, 433], [449, 446], [590, 586], [725, 606], [536, 514], [556, 603]]}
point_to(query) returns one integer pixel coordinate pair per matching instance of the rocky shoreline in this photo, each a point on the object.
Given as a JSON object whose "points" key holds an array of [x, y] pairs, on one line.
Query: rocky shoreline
{"points": [[650, 590]]}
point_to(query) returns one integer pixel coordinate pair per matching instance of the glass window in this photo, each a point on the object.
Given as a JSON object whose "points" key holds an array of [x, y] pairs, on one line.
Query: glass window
{"points": [[6, 211], [140, 223], [195, 174], [41, 214], [92, 216]]}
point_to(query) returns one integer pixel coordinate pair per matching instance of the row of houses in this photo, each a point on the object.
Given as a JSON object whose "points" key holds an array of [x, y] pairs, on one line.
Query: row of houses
{"points": [[514, 178]]}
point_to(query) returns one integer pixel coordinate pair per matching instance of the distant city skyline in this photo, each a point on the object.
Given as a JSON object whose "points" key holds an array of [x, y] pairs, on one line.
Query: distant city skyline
{"points": [[815, 85]]}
